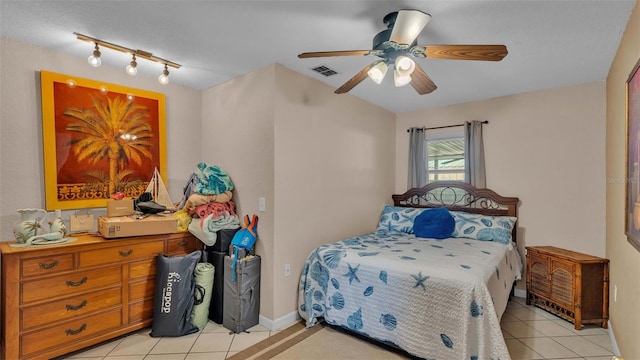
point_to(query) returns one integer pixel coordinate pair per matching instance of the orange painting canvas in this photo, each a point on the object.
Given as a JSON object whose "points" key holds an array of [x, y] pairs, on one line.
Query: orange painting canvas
{"points": [[99, 138]]}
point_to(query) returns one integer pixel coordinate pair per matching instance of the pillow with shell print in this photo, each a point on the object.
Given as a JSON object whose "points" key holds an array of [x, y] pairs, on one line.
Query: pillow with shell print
{"points": [[483, 227], [398, 218]]}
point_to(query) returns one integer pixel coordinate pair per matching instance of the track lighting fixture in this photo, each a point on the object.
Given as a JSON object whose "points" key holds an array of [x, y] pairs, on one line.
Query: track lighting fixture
{"points": [[164, 77], [132, 68], [94, 59]]}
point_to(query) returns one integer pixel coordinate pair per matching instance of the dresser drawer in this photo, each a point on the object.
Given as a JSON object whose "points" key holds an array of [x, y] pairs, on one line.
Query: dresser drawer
{"points": [[182, 245], [60, 299], [142, 269], [70, 284], [121, 253], [141, 290], [69, 332], [47, 265], [61, 310], [141, 311]]}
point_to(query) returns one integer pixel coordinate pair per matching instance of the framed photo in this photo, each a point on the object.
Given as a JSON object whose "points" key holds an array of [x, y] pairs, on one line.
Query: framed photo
{"points": [[99, 138], [633, 157]]}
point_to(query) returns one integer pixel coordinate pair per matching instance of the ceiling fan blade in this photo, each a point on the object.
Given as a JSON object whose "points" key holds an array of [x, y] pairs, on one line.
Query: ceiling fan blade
{"points": [[333, 53], [408, 25], [422, 82], [357, 79], [466, 52]]}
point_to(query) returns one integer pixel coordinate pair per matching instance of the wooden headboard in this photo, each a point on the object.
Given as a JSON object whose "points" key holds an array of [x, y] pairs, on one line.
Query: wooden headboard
{"points": [[459, 196]]}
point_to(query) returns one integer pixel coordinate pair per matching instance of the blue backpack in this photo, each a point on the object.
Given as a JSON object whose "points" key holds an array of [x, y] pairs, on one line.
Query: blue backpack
{"points": [[245, 238]]}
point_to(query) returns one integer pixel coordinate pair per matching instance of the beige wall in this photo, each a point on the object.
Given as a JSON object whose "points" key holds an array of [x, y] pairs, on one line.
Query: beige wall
{"points": [[334, 166], [316, 158], [625, 259], [545, 147], [21, 164], [237, 135]]}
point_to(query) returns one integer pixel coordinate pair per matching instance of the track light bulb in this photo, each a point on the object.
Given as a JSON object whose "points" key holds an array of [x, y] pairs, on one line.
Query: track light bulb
{"points": [[378, 72], [404, 65], [164, 77], [132, 68], [94, 59]]}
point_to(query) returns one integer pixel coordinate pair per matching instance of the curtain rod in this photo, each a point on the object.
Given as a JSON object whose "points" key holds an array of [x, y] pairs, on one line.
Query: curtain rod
{"points": [[447, 126]]}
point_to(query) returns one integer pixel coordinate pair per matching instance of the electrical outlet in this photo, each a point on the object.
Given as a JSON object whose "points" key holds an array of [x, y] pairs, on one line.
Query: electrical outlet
{"points": [[261, 204], [287, 270]]}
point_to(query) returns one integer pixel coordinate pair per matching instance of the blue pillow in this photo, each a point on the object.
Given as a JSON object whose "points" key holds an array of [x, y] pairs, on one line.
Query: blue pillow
{"points": [[434, 223]]}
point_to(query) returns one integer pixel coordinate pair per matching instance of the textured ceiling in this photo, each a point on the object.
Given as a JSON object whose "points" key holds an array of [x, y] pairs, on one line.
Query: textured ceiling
{"points": [[550, 43]]}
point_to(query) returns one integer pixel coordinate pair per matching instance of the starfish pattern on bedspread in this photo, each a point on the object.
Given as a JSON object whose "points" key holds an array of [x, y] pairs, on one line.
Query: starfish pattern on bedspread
{"points": [[352, 273], [420, 280]]}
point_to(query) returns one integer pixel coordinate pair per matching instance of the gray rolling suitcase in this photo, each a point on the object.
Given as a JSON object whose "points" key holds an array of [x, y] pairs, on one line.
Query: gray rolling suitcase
{"points": [[241, 298]]}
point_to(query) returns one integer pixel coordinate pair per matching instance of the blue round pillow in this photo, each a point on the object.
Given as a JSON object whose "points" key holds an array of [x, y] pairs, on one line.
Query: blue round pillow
{"points": [[437, 223]]}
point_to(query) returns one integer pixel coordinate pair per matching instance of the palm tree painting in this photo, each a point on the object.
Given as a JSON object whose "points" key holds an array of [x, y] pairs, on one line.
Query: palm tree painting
{"points": [[113, 129], [99, 139]]}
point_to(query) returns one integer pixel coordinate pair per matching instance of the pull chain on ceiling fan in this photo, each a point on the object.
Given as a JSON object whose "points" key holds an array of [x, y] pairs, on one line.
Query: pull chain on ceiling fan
{"points": [[397, 47]]}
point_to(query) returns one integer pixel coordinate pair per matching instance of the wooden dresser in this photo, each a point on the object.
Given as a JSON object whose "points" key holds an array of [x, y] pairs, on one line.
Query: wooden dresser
{"points": [[570, 284], [60, 298]]}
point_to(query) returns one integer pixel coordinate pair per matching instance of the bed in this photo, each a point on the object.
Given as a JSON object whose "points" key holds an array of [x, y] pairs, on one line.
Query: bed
{"points": [[433, 298]]}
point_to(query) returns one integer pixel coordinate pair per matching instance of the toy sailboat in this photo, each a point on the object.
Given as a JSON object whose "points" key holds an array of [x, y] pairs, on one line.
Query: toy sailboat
{"points": [[159, 191]]}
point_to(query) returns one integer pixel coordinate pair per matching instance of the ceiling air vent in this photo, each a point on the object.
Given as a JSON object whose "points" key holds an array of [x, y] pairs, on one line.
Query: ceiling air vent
{"points": [[324, 70]]}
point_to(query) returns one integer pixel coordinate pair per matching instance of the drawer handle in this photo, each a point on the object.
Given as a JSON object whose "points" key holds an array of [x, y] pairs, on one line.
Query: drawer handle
{"points": [[77, 283], [76, 332], [77, 307], [126, 253], [183, 243], [50, 265]]}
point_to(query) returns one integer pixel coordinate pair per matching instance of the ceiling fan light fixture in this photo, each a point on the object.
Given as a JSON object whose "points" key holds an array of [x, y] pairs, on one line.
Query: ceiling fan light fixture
{"points": [[404, 65], [398, 46], [400, 80], [408, 25], [378, 72]]}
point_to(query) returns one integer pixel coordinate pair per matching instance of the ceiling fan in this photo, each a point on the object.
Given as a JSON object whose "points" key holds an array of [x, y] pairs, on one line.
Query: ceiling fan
{"points": [[397, 46]]}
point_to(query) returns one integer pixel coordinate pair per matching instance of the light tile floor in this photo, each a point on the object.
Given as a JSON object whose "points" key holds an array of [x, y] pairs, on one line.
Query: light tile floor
{"points": [[530, 333]]}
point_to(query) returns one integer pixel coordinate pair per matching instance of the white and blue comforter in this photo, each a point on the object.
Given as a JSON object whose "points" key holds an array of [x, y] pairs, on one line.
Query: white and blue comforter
{"points": [[436, 299]]}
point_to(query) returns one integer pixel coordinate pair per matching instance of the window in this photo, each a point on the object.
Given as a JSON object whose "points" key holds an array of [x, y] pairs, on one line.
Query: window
{"points": [[445, 158]]}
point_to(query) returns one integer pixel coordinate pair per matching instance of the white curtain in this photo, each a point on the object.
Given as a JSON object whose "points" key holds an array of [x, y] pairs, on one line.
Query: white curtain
{"points": [[474, 172], [417, 158]]}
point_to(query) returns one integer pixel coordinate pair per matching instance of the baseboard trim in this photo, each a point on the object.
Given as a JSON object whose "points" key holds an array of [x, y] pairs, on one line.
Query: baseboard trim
{"points": [[281, 322], [612, 336]]}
